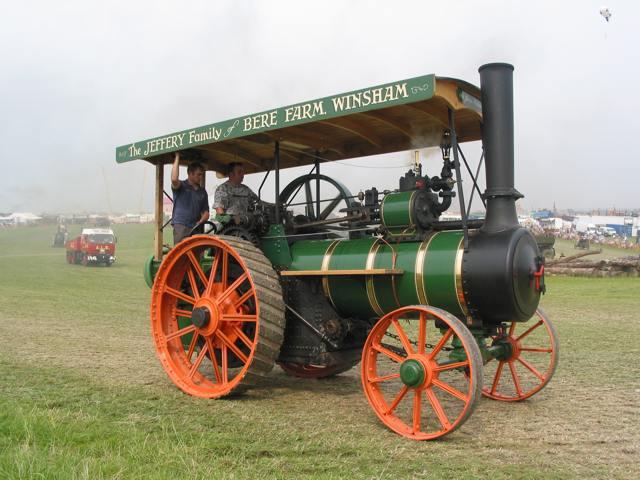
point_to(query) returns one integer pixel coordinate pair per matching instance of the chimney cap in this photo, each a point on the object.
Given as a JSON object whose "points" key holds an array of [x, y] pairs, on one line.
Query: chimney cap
{"points": [[498, 64]]}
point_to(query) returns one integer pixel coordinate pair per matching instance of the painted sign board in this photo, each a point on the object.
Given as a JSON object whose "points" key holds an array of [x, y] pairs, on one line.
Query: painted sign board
{"points": [[367, 99]]}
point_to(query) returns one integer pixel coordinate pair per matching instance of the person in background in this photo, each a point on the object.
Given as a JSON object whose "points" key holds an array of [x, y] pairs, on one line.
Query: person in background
{"points": [[190, 200]]}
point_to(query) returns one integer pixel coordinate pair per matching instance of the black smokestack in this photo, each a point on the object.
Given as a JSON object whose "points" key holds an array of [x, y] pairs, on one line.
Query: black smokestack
{"points": [[496, 84]]}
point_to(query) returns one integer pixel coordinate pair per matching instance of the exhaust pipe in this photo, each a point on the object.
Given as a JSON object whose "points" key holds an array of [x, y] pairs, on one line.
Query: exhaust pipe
{"points": [[496, 84], [499, 269]]}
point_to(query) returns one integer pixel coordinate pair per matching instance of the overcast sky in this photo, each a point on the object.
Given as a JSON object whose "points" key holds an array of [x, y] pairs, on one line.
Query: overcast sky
{"points": [[79, 78]]}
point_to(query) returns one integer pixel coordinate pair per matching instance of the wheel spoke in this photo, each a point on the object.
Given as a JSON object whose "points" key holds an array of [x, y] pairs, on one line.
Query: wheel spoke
{"points": [[245, 296], [397, 400], [181, 332], [225, 364], [241, 335], [239, 318], [196, 266], [239, 281], [516, 379], [198, 361], [532, 369], [451, 366], [309, 201], [530, 330], [232, 346], [225, 269], [183, 313], [449, 389], [386, 378], [422, 333], [192, 345], [179, 294], [496, 378], [212, 274], [417, 409], [194, 285], [331, 207], [214, 361], [293, 197], [437, 407], [512, 329], [393, 356], [445, 338], [403, 336], [536, 349]]}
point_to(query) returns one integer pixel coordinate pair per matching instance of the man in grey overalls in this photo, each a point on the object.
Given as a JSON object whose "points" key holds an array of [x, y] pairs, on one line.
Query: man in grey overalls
{"points": [[232, 197]]}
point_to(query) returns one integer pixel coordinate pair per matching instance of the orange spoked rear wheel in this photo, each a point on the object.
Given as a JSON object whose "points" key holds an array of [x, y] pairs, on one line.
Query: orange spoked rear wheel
{"points": [[529, 364], [217, 315], [421, 372]]}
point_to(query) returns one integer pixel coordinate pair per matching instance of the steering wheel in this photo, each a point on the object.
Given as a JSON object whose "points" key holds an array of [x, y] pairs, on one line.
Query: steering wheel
{"points": [[213, 229]]}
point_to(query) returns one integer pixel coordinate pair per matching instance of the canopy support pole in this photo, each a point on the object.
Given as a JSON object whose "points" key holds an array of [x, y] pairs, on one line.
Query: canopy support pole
{"points": [[475, 183], [262, 184], [456, 163], [159, 213], [277, 169], [317, 160]]}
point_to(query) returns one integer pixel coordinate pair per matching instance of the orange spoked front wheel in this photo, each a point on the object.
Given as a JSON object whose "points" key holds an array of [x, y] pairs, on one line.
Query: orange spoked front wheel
{"points": [[529, 361], [421, 372], [217, 315]]}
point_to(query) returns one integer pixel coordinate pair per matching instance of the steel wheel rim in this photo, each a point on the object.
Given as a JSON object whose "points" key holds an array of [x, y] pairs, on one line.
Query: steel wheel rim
{"points": [[232, 305], [519, 366], [429, 391]]}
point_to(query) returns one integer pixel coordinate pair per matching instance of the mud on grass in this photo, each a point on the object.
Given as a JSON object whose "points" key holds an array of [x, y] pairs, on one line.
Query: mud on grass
{"points": [[82, 395]]}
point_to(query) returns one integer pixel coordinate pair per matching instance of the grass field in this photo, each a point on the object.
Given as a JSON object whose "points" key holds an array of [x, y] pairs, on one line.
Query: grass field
{"points": [[567, 248], [82, 395]]}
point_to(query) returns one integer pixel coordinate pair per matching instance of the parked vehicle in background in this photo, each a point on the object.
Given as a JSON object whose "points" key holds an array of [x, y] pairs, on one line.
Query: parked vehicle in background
{"points": [[582, 243], [545, 244], [606, 231], [93, 245], [591, 229]]}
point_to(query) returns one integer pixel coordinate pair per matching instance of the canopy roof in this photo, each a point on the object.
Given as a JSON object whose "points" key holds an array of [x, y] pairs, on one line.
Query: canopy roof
{"points": [[403, 115]]}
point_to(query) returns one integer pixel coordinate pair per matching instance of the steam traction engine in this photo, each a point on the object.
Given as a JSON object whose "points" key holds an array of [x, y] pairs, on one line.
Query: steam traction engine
{"points": [[437, 312]]}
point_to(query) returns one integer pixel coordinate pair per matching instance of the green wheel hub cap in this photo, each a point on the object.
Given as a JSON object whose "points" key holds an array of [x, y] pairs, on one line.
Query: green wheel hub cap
{"points": [[504, 350], [412, 373]]}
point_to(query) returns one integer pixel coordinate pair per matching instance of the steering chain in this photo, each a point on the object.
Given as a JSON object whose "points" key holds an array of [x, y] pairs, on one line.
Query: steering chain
{"points": [[415, 344]]}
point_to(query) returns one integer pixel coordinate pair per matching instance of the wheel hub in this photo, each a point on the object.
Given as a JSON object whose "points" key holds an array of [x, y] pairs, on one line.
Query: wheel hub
{"points": [[200, 317], [206, 316], [415, 373], [510, 348]]}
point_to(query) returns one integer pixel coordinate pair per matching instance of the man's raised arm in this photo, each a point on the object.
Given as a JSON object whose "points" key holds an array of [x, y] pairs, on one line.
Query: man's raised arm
{"points": [[175, 181]]}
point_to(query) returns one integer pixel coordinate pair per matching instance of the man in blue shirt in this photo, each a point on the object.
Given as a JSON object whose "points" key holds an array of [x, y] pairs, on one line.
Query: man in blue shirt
{"points": [[190, 199]]}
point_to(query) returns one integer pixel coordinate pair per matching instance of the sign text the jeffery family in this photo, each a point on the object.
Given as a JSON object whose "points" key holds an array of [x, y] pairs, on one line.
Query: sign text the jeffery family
{"points": [[329, 107]]}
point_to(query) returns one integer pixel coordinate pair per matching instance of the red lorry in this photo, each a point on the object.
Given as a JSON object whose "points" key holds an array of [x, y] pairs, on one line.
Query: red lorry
{"points": [[93, 245]]}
